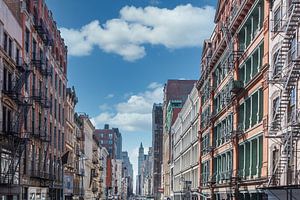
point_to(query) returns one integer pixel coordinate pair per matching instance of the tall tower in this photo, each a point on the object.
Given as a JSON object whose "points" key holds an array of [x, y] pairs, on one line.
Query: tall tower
{"points": [[141, 159]]}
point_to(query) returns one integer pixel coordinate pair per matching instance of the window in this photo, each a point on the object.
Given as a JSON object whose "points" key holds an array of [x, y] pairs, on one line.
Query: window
{"points": [[277, 19], [62, 141], [223, 167], [222, 131], [251, 111], [18, 60], [33, 120], [7, 80], [55, 138], [27, 40], [205, 117], [276, 65], [50, 132], [56, 81], [205, 144], [5, 38], [205, 173], [110, 136], [10, 46], [250, 158], [59, 140], [251, 66], [275, 106], [55, 108]]}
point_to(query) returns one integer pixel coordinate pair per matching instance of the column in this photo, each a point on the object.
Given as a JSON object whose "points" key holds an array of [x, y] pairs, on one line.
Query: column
{"points": [[244, 167], [245, 32], [257, 156], [259, 17], [258, 107], [252, 28], [250, 164]]}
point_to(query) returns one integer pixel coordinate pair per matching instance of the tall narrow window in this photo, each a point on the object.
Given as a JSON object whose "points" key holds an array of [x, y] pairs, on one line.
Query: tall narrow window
{"points": [[277, 20], [27, 40], [5, 41]]}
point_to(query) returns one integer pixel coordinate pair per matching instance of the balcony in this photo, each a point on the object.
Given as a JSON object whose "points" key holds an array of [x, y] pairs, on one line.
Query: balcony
{"points": [[41, 133], [236, 86], [38, 63], [42, 31]]}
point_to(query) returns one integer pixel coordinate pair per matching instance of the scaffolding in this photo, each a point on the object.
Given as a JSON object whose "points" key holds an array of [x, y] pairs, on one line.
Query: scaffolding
{"points": [[284, 124]]}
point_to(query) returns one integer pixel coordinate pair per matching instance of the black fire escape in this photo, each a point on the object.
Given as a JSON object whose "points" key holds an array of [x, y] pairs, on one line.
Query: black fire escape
{"points": [[14, 134]]}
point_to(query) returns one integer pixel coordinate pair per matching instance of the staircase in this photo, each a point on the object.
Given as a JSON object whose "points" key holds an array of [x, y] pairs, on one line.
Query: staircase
{"points": [[286, 76]]}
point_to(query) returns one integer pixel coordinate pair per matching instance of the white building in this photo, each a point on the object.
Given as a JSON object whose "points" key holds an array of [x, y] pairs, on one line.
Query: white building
{"points": [[185, 147], [283, 99], [88, 130]]}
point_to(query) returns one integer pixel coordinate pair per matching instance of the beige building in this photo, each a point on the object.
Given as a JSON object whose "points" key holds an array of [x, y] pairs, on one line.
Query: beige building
{"points": [[185, 146], [88, 141]]}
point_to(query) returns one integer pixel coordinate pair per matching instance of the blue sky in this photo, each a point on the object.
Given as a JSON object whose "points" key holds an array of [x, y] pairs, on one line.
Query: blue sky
{"points": [[121, 52]]}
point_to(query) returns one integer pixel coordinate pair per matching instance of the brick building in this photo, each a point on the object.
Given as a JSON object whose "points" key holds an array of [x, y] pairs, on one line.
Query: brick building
{"points": [[111, 139], [39, 90], [234, 92]]}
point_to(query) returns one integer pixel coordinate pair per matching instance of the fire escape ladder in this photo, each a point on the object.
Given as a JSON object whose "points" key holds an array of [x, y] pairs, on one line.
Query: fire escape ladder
{"points": [[290, 75]]}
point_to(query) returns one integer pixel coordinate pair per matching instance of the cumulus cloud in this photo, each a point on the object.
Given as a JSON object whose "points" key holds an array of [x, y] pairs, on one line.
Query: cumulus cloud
{"points": [[135, 113], [183, 26]]}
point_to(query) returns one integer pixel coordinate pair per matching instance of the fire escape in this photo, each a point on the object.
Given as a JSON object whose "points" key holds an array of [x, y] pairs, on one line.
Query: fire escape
{"points": [[40, 96], [14, 135], [284, 126]]}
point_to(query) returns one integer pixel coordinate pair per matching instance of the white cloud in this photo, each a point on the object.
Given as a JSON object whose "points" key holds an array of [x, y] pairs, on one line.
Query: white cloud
{"points": [[183, 26], [110, 96], [135, 113]]}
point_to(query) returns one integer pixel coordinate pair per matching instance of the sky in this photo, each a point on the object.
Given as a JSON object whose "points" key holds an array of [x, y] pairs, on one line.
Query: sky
{"points": [[122, 52]]}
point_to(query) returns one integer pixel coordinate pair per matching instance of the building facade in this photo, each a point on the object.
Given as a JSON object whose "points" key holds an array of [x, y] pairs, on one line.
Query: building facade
{"points": [[78, 185], [116, 188], [141, 158], [283, 133], [234, 90], [127, 174], [175, 94], [157, 145], [111, 139], [185, 145], [69, 161], [13, 142], [90, 173], [103, 173], [34, 82]]}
